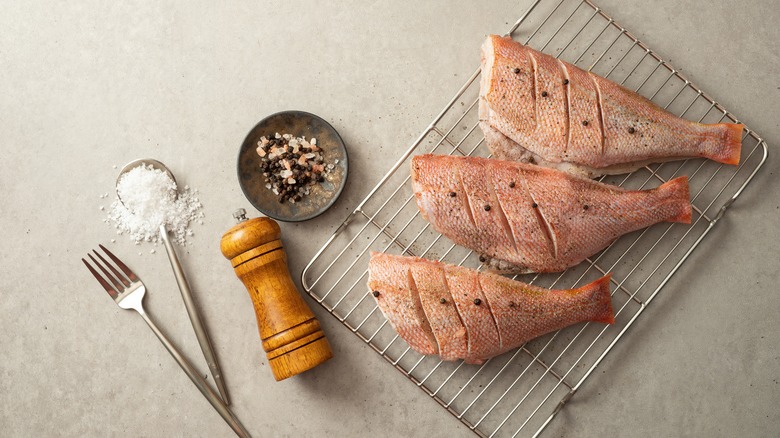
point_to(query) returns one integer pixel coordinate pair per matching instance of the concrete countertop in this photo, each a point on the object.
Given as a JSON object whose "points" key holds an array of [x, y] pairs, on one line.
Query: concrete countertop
{"points": [[89, 85]]}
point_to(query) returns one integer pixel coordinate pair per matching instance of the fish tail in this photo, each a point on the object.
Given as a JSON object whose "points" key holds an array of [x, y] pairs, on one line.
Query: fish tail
{"points": [[676, 193], [724, 145], [601, 294]]}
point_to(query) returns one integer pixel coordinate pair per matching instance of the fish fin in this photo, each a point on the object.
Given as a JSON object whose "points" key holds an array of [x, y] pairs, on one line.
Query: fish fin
{"points": [[602, 295], [677, 191], [725, 144]]}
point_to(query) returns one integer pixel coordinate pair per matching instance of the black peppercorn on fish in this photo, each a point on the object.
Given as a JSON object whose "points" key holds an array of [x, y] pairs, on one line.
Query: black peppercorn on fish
{"points": [[536, 108], [460, 313]]}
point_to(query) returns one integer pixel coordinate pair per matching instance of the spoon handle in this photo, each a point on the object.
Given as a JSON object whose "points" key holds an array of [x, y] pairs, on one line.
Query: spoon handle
{"points": [[192, 311]]}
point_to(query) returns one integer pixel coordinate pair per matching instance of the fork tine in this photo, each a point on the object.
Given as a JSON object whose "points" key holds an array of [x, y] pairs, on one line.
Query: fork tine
{"points": [[101, 280], [113, 270], [117, 285], [119, 263]]}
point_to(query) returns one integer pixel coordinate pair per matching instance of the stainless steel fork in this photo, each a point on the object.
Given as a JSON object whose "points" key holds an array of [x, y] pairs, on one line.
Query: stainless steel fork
{"points": [[128, 291]]}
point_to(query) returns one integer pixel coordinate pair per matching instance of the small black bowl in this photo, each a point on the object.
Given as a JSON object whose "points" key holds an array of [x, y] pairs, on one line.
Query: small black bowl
{"points": [[322, 195]]}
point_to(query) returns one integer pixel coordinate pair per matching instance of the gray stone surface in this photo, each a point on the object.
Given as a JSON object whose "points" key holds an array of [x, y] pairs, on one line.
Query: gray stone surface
{"points": [[89, 85]]}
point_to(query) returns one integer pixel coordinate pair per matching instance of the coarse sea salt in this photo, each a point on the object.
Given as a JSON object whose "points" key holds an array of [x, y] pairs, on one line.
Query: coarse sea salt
{"points": [[150, 200]]}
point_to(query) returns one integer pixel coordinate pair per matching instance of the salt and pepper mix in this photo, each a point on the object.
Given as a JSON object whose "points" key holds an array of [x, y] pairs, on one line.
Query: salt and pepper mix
{"points": [[291, 165]]}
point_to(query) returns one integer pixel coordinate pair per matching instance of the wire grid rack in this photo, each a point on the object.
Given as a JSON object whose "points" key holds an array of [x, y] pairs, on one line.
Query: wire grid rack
{"points": [[519, 392]]}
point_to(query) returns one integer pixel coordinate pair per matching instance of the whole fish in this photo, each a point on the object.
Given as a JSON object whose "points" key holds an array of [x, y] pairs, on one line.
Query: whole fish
{"points": [[460, 313], [525, 218], [539, 109]]}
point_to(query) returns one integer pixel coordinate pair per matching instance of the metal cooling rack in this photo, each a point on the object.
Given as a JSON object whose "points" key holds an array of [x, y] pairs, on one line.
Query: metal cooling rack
{"points": [[520, 392]]}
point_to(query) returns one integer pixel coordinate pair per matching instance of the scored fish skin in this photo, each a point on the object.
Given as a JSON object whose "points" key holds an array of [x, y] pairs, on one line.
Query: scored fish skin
{"points": [[408, 319], [523, 218], [498, 314], [481, 329], [534, 107], [439, 308]]}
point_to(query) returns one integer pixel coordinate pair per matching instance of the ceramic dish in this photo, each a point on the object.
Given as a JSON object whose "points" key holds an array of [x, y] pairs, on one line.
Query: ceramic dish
{"points": [[322, 195]]}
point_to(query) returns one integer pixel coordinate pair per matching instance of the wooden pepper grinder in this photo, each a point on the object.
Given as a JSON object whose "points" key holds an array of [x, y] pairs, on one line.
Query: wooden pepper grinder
{"points": [[291, 335]]}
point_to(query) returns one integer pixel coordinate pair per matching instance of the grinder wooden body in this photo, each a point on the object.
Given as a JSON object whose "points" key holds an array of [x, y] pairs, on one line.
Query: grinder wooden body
{"points": [[290, 333]]}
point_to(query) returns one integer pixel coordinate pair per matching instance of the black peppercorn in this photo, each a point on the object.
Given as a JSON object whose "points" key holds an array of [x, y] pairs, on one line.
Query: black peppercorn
{"points": [[534, 205], [375, 293], [565, 82], [585, 207], [452, 194], [512, 185], [584, 123], [516, 70], [482, 259], [442, 300], [477, 301], [631, 130], [544, 94], [487, 208]]}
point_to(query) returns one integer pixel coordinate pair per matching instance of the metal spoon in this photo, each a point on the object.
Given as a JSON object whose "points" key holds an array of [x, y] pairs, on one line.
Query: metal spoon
{"points": [[144, 161], [184, 287]]}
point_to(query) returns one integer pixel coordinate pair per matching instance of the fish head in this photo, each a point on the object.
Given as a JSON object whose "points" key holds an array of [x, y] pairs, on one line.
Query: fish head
{"points": [[426, 184]]}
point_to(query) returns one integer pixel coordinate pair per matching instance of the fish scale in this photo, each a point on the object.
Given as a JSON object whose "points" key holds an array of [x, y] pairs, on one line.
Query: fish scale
{"points": [[588, 125], [552, 106], [586, 136], [496, 313], [408, 318], [550, 220], [440, 311], [516, 74], [485, 207], [483, 337], [511, 189]]}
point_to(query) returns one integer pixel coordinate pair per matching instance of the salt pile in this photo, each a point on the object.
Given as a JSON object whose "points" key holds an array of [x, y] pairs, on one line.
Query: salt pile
{"points": [[150, 200]]}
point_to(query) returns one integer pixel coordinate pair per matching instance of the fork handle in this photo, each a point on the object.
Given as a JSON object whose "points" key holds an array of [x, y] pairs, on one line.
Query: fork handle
{"points": [[196, 378]]}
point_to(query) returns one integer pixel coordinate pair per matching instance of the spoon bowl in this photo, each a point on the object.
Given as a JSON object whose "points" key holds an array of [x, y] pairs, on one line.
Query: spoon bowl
{"points": [[135, 163]]}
